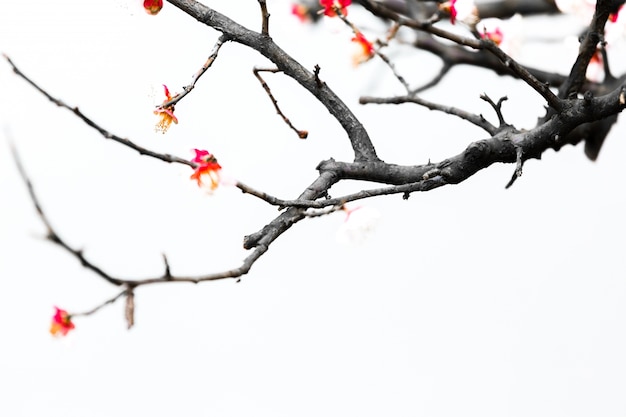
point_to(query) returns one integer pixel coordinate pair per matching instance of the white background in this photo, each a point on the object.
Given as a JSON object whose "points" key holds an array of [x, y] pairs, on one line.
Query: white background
{"points": [[469, 300]]}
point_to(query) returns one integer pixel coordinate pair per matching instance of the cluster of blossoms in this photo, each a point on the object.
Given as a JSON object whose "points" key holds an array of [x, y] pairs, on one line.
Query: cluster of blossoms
{"points": [[153, 6], [207, 171], [331, 8], [61, 323]]}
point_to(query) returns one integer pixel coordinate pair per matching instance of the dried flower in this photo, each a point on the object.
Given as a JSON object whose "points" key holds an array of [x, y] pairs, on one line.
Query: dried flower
{"points": [[207, 168], [153, 7], [61, 323], [166, 114], [331, 6]]}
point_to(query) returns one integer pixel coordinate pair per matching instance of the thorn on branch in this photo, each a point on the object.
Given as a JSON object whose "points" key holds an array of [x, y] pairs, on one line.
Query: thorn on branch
{"points": [[167, 274], [302, 134], [316, 71]]}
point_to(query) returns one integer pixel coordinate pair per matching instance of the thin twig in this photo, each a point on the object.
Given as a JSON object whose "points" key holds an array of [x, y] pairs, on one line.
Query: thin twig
{"points": [[497, 107], [207, 64], [107, 302], [265, 16], [302, 134], [101, 130], [470, 117]]}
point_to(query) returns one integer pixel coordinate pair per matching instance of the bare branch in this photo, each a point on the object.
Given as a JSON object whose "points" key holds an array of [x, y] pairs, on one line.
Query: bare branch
{"points": [[470, 117], [187, 89]]}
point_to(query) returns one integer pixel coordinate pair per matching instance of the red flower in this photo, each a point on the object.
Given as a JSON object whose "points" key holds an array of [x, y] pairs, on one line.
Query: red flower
{"points": [[61, 323], [207, 168], [166, 113], [330, 7], [495, 35], [153, 6], [300, 11], [367, 49]]}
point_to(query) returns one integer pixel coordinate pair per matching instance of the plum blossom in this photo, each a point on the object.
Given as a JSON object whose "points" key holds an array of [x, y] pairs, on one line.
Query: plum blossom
{"points": [[360, 221], [366, 50], [166, 113], [464, 11], [300, 11], [330, 6], [153, 7], [207, 171], [507, 34], [61, 323]]}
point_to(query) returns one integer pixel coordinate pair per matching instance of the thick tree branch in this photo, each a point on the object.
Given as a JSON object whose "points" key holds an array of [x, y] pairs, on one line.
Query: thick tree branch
{"points": [[360, 140]]}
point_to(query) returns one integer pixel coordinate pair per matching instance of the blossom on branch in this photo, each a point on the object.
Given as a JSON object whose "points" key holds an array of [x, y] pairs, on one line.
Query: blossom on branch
{"points": [[153, 7], [360, 221], [507, 34], [207, 171], [464, 11], [166, 113], [61, 323], [331, 7], [366, 51], [300, 11]]}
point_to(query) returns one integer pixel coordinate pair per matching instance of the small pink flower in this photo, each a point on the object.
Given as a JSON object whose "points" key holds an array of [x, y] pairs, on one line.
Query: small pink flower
{"points": [[464, 11], [61, 323], [507, 34], [207, 169], [330, 7]]}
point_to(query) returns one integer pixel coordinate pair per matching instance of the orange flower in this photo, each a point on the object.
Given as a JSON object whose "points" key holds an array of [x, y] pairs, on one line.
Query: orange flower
{"points": [[330, 7], [153, 7], [61, 323], [207, 168], [166, 113], [300, 11], [367, 49]]}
